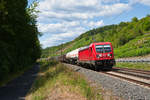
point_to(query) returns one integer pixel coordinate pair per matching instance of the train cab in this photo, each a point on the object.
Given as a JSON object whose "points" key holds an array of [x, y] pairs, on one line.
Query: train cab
{"points": [[97, 54], [104, 54]]}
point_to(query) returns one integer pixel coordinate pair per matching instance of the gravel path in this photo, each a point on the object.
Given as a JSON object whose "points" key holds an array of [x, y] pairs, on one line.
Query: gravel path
{"points": [[121, 88], [19, 87]]}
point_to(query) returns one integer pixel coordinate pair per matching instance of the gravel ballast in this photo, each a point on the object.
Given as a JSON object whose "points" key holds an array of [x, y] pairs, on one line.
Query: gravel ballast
{"points": [[119, 87]]}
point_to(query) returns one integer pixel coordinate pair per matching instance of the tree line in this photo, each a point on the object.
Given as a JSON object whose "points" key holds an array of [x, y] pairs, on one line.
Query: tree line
{"points": [[19, 44]]}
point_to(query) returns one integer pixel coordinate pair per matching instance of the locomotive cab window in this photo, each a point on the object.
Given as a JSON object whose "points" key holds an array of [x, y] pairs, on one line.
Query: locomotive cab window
{"points": [[107, 48], [103, 48], [99, 48]]}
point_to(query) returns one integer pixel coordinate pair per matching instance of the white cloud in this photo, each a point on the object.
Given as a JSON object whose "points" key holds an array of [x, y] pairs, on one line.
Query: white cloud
{"points": [[53, 28], [110, 1], [56, 39], [93, 24], [79, 9], [96, 24], [67, 19], [114, 9], [145, 2]]}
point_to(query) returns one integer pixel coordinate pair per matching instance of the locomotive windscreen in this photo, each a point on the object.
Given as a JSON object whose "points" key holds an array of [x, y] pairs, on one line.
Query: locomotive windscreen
{"points": [[103, 48]]}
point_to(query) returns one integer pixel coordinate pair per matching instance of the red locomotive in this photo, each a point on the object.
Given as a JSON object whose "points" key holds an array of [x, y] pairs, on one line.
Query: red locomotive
{"points": [[97, 55]]}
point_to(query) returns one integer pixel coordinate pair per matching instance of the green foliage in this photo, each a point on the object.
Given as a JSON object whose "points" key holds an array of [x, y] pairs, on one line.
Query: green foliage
{"points": [[18, 37], [119, 35], [136, 47], [134, 19]]}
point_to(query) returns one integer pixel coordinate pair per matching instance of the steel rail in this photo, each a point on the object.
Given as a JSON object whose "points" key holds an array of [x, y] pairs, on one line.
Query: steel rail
{"points": [[128, 79], [132, 70], [134, 74]]}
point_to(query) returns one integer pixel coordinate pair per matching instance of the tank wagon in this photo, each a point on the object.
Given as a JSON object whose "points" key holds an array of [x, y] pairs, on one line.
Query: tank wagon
{"points": [[72, 57], [97, 56]]}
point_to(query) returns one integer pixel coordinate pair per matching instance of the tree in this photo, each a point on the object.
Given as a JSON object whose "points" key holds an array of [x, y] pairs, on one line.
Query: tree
{"points": [[134, 19], [19, 42]]}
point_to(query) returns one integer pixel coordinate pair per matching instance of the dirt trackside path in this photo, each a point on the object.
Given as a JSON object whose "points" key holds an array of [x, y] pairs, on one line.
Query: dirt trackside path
{"points": [[18, 88]]}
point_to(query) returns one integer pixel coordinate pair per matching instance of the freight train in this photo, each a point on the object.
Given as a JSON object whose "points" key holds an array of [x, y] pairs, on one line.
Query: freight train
{"points": [[96, 56]]}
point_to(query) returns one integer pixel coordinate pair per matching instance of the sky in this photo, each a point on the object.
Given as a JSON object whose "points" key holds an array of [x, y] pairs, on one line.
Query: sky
{"points": [[61, 21]]}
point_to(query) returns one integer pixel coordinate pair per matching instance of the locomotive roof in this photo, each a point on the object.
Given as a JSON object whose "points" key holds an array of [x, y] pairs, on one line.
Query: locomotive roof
{"points": [[96, 43], [83, 48]]}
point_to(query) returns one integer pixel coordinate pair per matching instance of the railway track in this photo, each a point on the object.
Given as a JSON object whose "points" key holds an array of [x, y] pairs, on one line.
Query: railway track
{"points": [[133, 70], [140, 82], [137, 73], [141, 77]]}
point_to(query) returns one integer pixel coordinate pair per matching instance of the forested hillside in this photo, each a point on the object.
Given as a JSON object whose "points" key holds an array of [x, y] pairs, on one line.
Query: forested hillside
{"points": [[19, 44], [128, 39]]}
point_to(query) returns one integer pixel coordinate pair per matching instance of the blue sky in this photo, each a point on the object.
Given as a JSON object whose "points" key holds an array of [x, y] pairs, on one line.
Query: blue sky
{"points": [[61, 21]]}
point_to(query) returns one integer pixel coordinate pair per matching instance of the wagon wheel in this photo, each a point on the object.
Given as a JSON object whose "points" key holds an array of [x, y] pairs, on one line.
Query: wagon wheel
{"points": [[96, 68], [92, 67], [110, 67]]}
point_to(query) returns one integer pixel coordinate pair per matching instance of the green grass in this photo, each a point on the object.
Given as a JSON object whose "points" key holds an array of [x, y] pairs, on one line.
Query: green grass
{"points": [[55, 76], [143, 66]]}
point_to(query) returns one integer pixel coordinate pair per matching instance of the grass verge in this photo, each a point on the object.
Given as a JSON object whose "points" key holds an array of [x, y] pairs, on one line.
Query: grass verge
{"points": [[57, 82], [142, 66]]}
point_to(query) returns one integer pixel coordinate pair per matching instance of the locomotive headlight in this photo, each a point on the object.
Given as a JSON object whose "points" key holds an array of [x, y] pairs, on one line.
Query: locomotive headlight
{"points": [[110, 55], [100, 55]]}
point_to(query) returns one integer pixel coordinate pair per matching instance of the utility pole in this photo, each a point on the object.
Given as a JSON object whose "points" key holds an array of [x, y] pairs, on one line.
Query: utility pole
{"points": [[61, 48], [53, 51], [49, 52]]}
